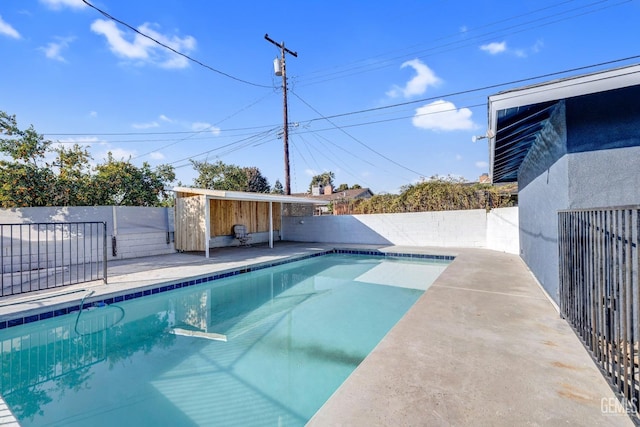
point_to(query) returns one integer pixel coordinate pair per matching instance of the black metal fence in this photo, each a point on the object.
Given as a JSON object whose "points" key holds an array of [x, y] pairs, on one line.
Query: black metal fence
{"points": [[40, 256], [599, 295]]}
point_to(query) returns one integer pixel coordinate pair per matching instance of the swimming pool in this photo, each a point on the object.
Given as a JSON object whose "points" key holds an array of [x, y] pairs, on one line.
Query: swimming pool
{"points": [[267, 347]]}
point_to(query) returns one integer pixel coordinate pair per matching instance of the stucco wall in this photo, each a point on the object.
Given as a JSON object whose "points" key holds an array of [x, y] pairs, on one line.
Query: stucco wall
{"points": [[139, 231], [539, 203], [586, 157], [542, 191], [469, 228], [605, 178]]}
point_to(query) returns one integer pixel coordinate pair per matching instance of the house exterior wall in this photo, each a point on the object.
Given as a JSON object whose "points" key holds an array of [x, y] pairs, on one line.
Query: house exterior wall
{"points": [[587, 157], [542, 191], [605, 178], [539, 203], [468, 228]]}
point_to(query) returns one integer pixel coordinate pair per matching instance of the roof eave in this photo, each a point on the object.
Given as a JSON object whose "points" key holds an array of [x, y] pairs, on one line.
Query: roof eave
{"points": [[246, 196]]}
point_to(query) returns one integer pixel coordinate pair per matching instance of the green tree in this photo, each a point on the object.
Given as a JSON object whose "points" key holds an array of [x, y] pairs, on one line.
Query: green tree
{"points": [[221, 176], [25, 179], [73, 186], [277, 187], [118, 182], [256, 183], [325, 178], [342, 187]]}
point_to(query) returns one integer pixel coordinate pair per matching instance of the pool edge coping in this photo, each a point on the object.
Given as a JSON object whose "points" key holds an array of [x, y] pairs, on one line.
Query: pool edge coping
{"points": [[57, 309]]}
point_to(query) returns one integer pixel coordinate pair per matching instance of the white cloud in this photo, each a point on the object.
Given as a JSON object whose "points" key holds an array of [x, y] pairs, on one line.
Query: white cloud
{"points": [[156, 155], [520, 53], [93, 114], [59, 4], [148, 125], [310, 172], [482, 165], [203, 126], [537, 46], [117, 43], [144, 49], [165, 118], [498, 48], [53, 49], [442, 115], [424, 78], [494, 48], [458, 157], [7, 30]]}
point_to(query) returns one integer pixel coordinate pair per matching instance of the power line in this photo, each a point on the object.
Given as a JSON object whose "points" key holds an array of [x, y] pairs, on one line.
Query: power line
{"points": [[356, 139], [447, 47], [208, 67], [383, 107], [334, 157], [373, 122], [206, 129], [368, 61], [479, 89], [244, 141], [154, 133]]}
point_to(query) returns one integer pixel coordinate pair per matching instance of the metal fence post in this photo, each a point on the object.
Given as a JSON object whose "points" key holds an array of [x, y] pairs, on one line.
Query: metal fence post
{"points": [[104, 251]]}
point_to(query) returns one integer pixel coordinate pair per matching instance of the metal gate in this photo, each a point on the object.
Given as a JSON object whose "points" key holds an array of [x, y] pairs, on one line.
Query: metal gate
{"points": [[39, 256], [599, 293]]}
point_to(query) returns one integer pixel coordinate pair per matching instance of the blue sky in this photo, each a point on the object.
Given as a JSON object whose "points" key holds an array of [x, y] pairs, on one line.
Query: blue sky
{"points": [[381, 93]]}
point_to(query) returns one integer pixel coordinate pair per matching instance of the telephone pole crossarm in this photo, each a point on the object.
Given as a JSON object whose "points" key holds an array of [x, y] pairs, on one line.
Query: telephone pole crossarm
{"points": [[280, 45]]}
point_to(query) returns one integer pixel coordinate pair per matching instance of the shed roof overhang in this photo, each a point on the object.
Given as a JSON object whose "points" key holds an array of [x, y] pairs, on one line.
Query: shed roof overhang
{"points": [[517, 116], [246, 196]]}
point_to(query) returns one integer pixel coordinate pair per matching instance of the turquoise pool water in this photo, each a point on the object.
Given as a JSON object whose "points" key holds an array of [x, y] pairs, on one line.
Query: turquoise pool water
{"points": [[267, 347]]}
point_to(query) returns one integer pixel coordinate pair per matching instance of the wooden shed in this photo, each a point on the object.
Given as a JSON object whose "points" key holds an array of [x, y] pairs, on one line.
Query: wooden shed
{"points": [[205, 218]]}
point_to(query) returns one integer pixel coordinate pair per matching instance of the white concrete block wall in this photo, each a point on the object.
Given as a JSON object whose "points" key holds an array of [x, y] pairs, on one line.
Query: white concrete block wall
{"points": [[502, 230], [496, 230], [140, 231], [135, 245]]}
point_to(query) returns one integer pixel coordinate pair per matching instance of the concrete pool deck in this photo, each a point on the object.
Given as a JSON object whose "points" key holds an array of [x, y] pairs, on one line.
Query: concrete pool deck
{"points": [[483, 346]]}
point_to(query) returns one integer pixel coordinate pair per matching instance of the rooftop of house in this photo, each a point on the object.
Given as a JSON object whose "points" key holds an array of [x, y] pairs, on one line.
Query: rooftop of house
{"points": [[518, 116], [326, 193]]}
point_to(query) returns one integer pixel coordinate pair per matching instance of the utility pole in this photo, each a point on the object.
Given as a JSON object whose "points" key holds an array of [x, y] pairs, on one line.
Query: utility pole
{"points": [[285, 133]]}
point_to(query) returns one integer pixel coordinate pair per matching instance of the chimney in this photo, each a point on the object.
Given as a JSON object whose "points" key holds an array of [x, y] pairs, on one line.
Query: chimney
{"points": [[328, 190]]}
